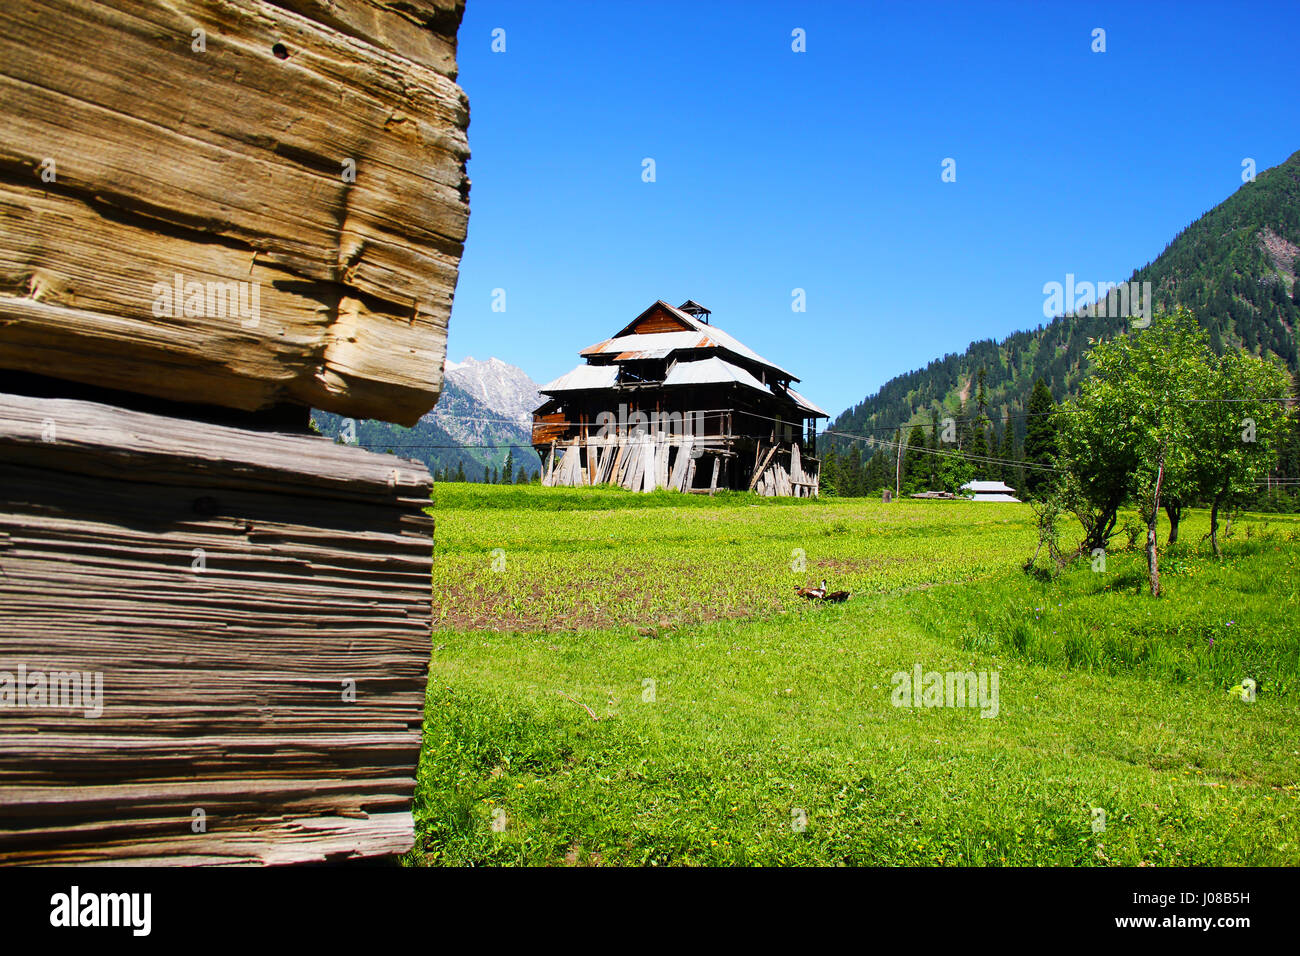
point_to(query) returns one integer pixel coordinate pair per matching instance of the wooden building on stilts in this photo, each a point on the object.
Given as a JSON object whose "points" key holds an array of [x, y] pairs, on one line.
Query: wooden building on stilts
{"points": [[672, 401]]}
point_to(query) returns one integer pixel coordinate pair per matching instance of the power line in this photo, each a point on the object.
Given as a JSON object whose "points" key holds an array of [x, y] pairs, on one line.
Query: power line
{"points": [[967, 456]]}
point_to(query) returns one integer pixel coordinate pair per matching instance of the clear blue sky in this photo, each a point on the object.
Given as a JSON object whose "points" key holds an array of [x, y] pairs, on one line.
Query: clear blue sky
{"points": [[820, 170]]}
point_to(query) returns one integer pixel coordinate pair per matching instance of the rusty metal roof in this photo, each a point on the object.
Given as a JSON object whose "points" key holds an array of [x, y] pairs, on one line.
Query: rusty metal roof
{"points": [[583, 377], [711, 371], [805, 404], [698, 335], [726, 341], [652, 345]]}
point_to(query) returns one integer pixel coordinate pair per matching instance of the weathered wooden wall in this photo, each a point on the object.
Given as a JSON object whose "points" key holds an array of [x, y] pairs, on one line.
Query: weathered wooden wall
{"points": [[227, 584], [647, 462], [230, 584], [128, 156]]}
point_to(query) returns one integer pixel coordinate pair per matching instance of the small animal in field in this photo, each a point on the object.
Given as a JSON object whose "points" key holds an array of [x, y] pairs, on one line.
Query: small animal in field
{"points": [[821, 594]]}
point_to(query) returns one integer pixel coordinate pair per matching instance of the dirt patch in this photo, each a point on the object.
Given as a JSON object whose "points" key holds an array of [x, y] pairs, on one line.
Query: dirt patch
{"points": [[575, 857], [1283, 252], [468, 608]]}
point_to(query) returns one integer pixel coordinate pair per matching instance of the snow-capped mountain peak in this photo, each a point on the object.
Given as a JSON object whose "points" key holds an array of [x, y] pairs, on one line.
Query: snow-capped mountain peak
{"points": [[504, 388]]}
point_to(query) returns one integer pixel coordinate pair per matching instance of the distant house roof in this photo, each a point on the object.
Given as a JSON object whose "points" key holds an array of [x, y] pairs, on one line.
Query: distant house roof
{"points": [[990, 491], [988, 486]]}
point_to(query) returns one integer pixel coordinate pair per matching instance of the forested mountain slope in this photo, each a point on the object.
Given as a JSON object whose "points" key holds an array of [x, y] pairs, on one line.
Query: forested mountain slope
{"points": [[1235, 267]]}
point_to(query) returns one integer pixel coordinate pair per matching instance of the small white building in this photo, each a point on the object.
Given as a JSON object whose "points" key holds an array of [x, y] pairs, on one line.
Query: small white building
{"points": [[989, 491]]}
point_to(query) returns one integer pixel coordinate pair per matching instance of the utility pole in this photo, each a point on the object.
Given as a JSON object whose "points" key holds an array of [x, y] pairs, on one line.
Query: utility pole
{"points": [[898, 463]]}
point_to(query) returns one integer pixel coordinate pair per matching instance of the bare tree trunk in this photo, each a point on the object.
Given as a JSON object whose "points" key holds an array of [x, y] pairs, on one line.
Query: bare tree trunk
{"points": [[1214, 526], [898, 464], [1153, 566], [1175, 514], [1099, 527]]}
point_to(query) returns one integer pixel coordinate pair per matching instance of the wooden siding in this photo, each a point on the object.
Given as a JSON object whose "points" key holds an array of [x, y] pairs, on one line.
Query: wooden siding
{"points": [[658, 320], [128, 157], [228, 585]]}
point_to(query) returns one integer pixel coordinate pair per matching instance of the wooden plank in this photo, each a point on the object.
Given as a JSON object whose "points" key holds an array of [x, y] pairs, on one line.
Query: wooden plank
{"points": [[651, 463], [636, 468], [620, 464], [328, 182], [678, 481], [630, 464], [419, 30], [548, 469], [572, 466], [604, 453], [612, 449], [227, 586], [759, 471]]}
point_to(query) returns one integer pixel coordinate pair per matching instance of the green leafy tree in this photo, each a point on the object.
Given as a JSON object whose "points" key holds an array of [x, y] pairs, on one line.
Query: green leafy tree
{"points": [[1007, 452], [1099, 465], [1280, 495], [1131, 431], [954, 470], [1237, 430], [878, 473], [1040, 439], [980, 448], [915, 462], [979, 451], [850, 476], [932, 468], [828, 481], [1167, 367], [508, 471], [965, 424]]}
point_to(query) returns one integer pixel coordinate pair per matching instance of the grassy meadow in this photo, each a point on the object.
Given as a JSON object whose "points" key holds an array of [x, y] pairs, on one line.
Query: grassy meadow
{"points": [[630, 679]]}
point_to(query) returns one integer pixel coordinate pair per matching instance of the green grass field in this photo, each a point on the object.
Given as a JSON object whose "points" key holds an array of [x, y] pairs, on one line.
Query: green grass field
{"points": [[736, 723]]}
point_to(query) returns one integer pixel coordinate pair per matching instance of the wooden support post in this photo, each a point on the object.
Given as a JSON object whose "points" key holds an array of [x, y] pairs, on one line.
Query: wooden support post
{"points": [[759, 471], [548, 478]]}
